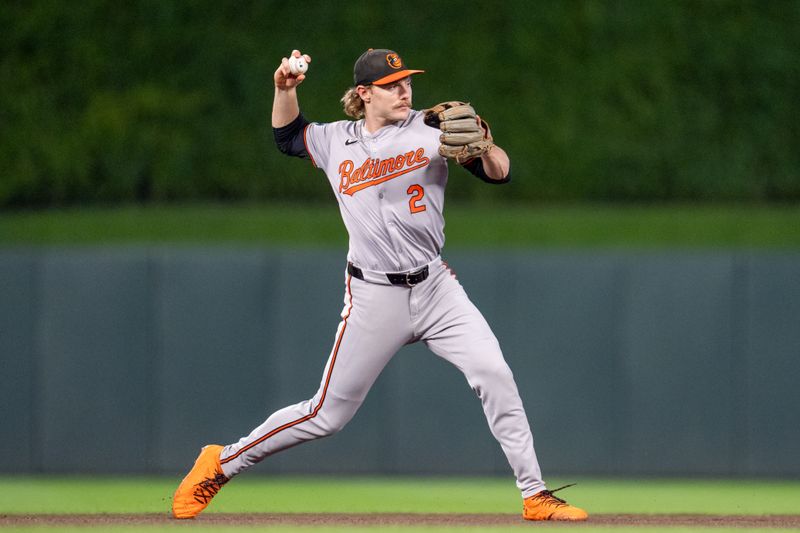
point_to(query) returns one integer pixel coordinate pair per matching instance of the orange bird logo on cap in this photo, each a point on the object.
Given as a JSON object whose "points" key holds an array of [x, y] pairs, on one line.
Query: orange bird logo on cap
{"points": [[394, 61]]}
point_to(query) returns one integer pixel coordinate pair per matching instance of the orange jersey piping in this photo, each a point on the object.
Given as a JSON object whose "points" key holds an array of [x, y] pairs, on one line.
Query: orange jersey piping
{"points": [[305, 143], [322, 398]]}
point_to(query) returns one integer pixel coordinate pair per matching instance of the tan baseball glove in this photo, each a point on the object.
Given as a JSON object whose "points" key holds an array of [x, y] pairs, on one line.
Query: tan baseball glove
{"points": [[464, 134]]}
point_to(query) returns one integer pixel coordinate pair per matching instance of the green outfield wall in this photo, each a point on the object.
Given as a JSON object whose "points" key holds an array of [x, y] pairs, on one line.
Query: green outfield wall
{"points": [[157, 101], [128, 359]]}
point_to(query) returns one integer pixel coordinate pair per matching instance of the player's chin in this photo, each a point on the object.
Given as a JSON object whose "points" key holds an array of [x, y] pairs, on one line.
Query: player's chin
{"points": [[401, 113]]}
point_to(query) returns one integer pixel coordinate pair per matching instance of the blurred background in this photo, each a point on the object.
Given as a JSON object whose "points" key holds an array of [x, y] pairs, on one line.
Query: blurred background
{"points": [[168, 278], [594, 100]]}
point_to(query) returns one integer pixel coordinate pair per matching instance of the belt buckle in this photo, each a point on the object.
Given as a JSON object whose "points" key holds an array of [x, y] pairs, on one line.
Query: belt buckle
{"points": [[418, 274]]}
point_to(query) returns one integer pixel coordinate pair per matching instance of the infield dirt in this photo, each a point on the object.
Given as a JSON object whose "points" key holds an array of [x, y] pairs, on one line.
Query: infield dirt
{"points": [[410, 519]]}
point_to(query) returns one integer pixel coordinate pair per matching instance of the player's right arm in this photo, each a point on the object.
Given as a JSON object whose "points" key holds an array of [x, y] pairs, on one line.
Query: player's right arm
{"points": [[285, 107], [295, 135], [288, 124]]}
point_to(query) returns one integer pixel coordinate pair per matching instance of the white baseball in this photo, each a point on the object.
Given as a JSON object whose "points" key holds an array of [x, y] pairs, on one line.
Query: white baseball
{"points": [[298, 65]]}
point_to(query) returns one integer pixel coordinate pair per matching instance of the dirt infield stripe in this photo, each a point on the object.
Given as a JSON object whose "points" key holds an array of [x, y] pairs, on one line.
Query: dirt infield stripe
{"points": [[336, 519]]}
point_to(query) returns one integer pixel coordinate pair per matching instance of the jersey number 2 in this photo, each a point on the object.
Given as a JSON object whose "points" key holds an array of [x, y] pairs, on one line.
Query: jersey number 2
{"points": [[417, 194]]}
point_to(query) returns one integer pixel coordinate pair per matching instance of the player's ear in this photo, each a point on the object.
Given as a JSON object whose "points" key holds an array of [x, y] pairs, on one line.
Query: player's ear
{"points": [[365, 92]]}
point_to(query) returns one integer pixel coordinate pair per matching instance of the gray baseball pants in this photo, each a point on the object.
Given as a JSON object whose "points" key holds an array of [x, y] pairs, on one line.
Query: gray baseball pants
{"points": [[377, 320]]}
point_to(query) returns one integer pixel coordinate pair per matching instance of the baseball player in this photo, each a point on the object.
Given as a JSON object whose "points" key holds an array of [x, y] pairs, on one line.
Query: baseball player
{"points": [[388, 171]]}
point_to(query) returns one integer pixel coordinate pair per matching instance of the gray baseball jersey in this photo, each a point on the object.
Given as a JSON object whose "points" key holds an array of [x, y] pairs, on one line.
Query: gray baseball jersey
{"points": [[390, 188]]}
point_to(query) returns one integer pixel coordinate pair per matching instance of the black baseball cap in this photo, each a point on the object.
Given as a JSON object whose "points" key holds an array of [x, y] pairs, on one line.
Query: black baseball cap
{"points": [[379, 67]]}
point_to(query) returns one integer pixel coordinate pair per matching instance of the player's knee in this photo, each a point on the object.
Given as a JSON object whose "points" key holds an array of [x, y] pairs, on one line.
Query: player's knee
{"points": [[333, 425], [333, 418], [492, 374]]}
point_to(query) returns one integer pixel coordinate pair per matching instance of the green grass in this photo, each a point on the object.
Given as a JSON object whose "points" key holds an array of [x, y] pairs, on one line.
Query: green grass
{"points": [[467, 226], [36, 495], [85, 495]]}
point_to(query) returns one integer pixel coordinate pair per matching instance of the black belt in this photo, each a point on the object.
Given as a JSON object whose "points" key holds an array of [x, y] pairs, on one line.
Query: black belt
{"points": [[403, 278]]}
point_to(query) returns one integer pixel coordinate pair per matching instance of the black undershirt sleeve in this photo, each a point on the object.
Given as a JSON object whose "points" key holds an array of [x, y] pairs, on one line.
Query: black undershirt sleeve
{"points": [[475, 167], [289, 138]]}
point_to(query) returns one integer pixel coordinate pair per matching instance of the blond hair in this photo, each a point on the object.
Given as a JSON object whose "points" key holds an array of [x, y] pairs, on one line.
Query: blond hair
{"points": [[353, 104]]}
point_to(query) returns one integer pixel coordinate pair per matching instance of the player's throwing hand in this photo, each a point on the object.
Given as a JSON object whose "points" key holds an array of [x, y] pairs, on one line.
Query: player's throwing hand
{"points": [[284, 79]]}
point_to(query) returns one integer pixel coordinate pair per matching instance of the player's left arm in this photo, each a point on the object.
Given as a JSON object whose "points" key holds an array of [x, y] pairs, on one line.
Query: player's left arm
{"points": [[492, 167], [496, 164]]}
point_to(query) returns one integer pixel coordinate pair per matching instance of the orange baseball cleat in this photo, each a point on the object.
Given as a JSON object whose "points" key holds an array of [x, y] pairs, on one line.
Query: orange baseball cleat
{"points": [[544, 506], [202, 483]]}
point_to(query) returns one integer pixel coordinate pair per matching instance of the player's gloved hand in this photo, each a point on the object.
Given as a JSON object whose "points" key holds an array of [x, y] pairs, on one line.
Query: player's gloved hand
{"points": [[284, 79], [465, 135]]}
